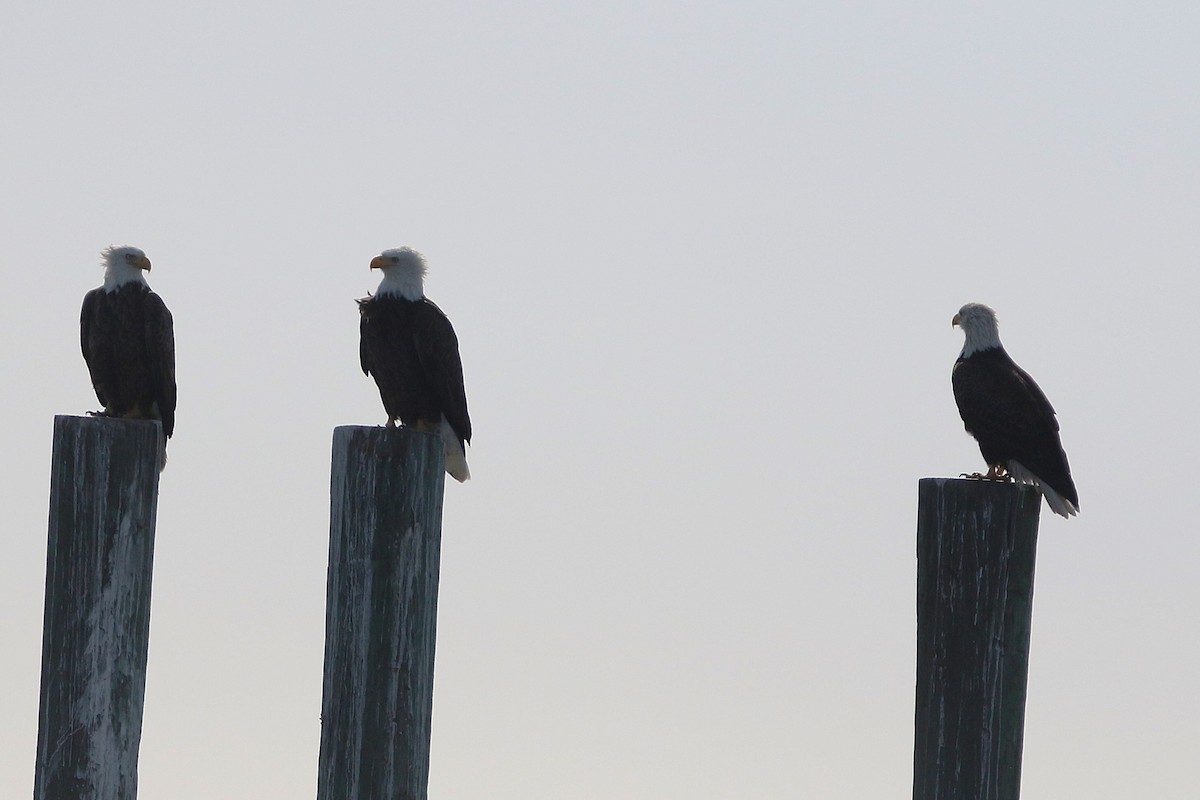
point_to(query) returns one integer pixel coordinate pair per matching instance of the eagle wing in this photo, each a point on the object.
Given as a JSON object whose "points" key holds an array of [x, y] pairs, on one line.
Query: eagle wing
{"points": [[91, 356], [1007, 412], [437, 351], [999, 398], [364, 323], [160, 344]]}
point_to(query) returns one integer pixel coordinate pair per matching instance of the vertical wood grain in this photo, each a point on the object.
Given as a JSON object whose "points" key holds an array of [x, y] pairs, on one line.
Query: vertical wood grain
{"points": [[976, 547], [99, 564], [381, 614]]}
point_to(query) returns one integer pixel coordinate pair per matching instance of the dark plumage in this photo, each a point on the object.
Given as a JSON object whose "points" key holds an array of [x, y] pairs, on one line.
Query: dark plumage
{"points": [[409, 347], [1008, 414], [128, 341]]}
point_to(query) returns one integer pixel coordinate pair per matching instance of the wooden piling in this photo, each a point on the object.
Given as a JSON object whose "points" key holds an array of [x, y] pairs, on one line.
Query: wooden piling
{"points": [[385, 525], [976, 546], [99, 561]]}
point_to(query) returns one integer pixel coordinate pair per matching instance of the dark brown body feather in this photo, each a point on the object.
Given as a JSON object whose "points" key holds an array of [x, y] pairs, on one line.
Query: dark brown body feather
{"points": [[128, 341], [409, 347], [1010, 417]]}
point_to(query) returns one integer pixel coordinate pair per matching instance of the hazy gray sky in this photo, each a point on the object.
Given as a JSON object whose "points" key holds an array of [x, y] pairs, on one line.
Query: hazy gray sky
{"points": [[702, 259]]}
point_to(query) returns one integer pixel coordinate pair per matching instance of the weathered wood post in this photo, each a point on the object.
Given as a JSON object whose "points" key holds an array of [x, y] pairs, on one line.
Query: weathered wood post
{"points": [[99, 560], [385, 525], [976, 542]]}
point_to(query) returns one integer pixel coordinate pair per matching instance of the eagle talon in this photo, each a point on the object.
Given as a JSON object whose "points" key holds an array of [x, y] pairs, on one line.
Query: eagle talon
{"points": [[997, 473], [994, 474]]}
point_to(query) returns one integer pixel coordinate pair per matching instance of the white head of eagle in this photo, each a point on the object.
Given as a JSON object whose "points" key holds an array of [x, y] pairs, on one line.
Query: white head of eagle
{"points": [[403, 273], [1008, 414], [128, 340], [123, 265], [409, 347]]}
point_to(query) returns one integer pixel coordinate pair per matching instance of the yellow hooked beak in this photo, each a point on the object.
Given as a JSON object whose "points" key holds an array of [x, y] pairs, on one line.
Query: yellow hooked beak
{"points": [[957, 319], [379, 262], [141, 262]]}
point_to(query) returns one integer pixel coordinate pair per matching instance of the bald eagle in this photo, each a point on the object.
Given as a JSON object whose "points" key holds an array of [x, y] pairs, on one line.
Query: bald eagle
{"points": [[1008, 414], [128, 341], [408, 345]]}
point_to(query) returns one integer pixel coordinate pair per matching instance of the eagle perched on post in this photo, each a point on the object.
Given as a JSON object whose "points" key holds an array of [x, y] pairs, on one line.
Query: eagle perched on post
{"points": [[128, 341], [1008, 414], [408, 345]]}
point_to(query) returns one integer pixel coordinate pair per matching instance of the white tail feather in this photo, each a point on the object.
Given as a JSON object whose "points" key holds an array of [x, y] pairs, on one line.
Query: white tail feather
{"points": [[456, 454], [1058, 504]]}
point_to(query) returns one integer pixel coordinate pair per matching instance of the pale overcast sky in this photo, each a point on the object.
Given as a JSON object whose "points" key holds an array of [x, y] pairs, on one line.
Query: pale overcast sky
{"points": [[702, 259]]}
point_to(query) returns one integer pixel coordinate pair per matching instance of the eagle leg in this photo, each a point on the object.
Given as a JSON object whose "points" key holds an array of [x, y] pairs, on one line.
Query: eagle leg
{"points": [[996, 472]]}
